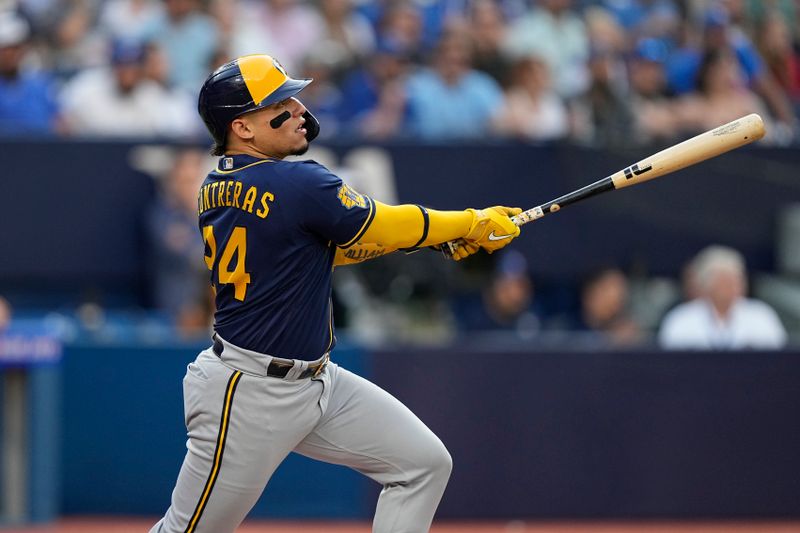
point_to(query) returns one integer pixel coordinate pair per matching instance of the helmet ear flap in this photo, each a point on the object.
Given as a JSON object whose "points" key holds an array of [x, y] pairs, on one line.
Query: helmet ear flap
{"points": [[311, 125]]}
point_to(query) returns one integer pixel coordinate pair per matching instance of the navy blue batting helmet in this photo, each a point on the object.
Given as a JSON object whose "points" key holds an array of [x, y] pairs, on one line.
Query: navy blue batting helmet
{"points": [[246, 84]]}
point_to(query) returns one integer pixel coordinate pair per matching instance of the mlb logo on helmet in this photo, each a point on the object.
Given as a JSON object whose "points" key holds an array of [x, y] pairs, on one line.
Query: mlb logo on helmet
{"points": [[279, 66]]}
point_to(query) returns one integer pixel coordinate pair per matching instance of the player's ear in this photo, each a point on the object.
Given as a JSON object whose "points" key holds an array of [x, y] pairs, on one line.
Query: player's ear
{"points": [[242, 129]]}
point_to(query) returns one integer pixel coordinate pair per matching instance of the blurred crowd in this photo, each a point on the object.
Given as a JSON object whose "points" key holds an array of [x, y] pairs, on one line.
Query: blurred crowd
{"points": [[710, 310], [602, 72]]}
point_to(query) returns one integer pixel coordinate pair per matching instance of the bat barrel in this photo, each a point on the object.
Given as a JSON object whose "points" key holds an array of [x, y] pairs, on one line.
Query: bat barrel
{"points": [[710, 144]]}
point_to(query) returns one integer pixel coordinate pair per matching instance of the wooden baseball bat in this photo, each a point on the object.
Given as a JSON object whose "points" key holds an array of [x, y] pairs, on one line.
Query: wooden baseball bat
{"points": [[710, 144]]}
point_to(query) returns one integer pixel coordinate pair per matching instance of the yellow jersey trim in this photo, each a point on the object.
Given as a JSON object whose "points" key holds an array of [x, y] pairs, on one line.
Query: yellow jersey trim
{"points": [[364, 227]]}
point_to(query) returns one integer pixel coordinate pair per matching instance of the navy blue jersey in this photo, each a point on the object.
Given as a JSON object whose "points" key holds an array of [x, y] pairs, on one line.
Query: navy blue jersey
{"points": [[271, 228]]}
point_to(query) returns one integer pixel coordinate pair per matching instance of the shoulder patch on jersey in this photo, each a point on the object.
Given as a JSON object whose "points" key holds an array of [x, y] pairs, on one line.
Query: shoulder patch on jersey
{"points": [[349, 197]]}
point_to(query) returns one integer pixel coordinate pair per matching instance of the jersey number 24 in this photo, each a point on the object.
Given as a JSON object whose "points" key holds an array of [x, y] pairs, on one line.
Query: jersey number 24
{"points": [[237, 244]]}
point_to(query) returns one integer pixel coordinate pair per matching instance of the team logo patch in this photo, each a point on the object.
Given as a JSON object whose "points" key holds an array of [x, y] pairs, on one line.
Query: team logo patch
{"points": [[349, 197]]}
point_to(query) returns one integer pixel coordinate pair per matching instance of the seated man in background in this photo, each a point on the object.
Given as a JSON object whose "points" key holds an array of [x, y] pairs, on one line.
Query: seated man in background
{"points": [[119, 100], [506, 304], [604, 314], [721, 318], [179, 282]]}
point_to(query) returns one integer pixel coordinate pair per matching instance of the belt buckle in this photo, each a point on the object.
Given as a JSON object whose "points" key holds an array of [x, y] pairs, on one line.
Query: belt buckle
{"points": [[322, 365]]}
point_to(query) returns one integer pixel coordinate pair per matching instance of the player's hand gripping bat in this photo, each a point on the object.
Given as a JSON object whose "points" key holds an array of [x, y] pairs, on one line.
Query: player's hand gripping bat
{"points": [[704, 146]]}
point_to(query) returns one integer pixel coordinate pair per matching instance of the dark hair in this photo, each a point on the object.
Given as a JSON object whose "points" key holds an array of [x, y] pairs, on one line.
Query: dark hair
{"points": [[218, 149], [711, 59], [599, 273]]}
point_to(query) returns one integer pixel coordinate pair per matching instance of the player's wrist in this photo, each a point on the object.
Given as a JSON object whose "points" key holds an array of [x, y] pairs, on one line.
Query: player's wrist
{"points": [[447, 225]]}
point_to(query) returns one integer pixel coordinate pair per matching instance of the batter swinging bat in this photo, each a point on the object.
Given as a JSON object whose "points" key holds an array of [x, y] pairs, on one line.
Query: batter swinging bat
{"points": [[704, 146]]}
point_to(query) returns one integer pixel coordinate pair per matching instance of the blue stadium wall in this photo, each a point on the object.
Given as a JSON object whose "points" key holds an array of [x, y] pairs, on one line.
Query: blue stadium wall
{"points": [[124, 439], [532, 434]]}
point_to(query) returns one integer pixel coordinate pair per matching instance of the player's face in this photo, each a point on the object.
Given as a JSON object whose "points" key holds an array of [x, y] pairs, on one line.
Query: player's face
{"points": [[289, 138]]}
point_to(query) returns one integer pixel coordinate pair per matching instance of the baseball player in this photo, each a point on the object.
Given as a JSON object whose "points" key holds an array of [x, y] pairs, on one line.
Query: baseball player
{"points": [[274, 230]]}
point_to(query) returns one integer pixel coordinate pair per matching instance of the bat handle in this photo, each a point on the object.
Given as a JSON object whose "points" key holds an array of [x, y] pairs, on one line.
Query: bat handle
{"points": [[528, 216]]}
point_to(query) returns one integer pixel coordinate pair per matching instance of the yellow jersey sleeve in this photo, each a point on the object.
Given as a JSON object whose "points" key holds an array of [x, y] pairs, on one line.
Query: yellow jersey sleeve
{"points": [[413, 226]]}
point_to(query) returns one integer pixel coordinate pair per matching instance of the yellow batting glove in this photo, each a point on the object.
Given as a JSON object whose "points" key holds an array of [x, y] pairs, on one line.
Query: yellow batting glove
{"points": [[464, 249], [492, 228]]}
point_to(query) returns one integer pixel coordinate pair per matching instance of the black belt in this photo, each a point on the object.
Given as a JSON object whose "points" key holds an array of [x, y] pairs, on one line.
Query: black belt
{"points": [[279, 369]]}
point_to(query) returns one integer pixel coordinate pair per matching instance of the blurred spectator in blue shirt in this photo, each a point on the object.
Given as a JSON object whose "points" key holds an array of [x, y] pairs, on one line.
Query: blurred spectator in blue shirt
{"points": [[684, 64], [653, 110], [646, 67], [179, 276], [554, 32], [374, 96], [506, 304], [27, 97], [189, 39], [452, 101], [121, 101]]}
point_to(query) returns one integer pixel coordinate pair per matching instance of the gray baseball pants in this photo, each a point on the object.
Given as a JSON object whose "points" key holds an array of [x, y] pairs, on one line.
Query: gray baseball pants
{"points": [[242, 424]]}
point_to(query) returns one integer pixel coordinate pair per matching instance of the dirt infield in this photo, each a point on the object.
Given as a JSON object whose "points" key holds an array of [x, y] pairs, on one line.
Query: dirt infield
{"points": [[96, 525]]}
